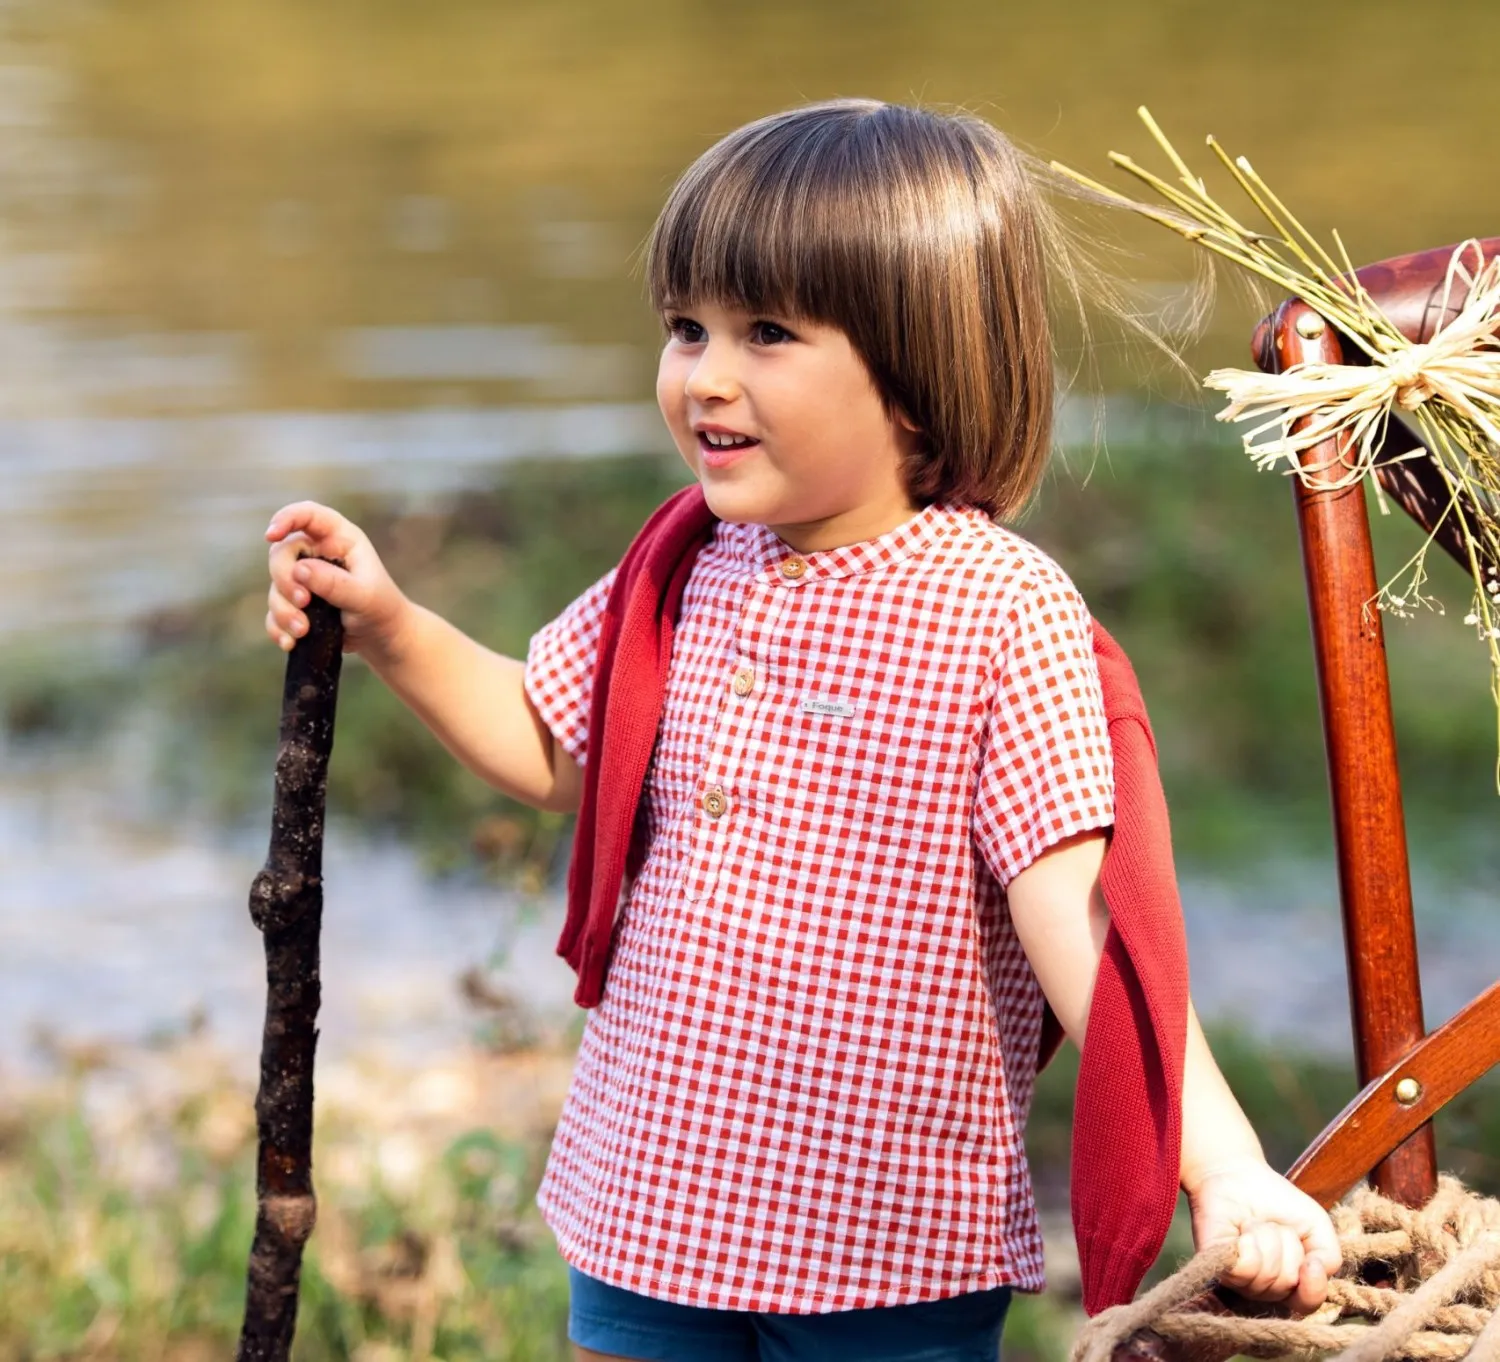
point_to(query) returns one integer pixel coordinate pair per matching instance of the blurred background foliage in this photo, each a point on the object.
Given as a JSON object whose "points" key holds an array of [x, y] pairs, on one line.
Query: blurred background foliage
{"points": [[1190, 559], [382, 254]]}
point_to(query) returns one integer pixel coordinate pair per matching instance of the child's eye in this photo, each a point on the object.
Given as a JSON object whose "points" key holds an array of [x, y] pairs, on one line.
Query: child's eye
{"points": [[768, 333], [684, 329]]}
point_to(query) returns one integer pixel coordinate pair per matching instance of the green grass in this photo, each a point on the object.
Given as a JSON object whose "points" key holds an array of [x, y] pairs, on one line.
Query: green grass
{"points": [[93, 1267], [99, 1260]]}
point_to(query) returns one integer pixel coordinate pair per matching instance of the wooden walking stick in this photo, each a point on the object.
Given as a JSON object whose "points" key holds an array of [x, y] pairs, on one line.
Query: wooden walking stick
{"points": [[286, 904]]}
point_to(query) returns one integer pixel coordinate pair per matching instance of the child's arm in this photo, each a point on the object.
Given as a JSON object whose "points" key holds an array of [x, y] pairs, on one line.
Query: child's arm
{"points": [[1287, 1244], [471, 698]]}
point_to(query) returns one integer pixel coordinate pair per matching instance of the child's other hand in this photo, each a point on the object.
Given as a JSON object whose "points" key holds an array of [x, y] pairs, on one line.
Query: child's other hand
{"points": [[371, 604], [1287, 1244]]}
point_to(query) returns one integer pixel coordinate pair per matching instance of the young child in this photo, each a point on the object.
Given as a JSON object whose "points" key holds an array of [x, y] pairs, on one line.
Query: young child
{"points": [[872, 795]]}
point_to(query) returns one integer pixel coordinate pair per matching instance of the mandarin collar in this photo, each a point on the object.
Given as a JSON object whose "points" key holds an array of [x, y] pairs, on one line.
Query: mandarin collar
{"points": [[763, 552]]}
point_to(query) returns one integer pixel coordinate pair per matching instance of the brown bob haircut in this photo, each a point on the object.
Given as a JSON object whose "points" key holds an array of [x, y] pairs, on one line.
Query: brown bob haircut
{"points": [[923, 237]]}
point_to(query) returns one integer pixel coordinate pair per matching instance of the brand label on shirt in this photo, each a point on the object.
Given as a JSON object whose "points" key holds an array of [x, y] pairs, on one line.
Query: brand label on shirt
{"points": [[821, 704]]}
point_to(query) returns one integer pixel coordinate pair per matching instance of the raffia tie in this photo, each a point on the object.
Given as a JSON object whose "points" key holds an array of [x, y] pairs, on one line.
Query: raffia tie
{"points": [[1444, 1259], [1459, 366]]}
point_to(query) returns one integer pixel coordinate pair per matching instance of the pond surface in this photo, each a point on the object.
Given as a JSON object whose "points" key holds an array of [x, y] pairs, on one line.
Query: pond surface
{"points": [[115, 930], [254, 251]]}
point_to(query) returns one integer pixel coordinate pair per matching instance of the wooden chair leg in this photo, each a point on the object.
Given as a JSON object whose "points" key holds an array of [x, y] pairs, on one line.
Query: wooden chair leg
{"points": [[1407, 1074], [1369, 830]]}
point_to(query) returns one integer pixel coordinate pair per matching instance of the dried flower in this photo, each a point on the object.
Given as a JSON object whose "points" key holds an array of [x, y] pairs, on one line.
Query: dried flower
{"points": [[1449, 386]]}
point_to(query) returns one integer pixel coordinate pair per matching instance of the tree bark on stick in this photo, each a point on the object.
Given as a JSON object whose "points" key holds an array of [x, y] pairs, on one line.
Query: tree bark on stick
{"points": [[286, 904]]}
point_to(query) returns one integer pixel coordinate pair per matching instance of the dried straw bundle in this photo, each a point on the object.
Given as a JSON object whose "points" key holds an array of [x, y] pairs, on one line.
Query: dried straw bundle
{"points": [[1450, 386]]}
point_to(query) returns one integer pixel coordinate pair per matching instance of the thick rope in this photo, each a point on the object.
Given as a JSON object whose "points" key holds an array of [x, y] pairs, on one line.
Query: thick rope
{"points": [[1444, 1261]]}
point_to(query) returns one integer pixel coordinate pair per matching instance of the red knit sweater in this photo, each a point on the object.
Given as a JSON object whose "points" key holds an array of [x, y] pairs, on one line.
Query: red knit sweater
{"points": [[1127, 1117]]}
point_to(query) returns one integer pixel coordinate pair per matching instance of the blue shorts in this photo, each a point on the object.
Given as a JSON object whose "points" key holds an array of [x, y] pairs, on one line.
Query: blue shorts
{"points": [[619, 1323]]}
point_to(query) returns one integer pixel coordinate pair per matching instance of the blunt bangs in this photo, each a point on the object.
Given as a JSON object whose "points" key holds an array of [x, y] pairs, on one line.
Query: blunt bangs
{"points": [[762, 220]]}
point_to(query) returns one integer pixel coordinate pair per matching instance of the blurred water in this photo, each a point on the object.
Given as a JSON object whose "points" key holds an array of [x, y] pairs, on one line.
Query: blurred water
{"points": [[253, 252], [110, 517], [1267, 948], [115, 928]]}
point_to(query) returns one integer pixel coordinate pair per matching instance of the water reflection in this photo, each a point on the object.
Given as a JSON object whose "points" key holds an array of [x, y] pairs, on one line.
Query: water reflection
{"points": [[250, 207]]}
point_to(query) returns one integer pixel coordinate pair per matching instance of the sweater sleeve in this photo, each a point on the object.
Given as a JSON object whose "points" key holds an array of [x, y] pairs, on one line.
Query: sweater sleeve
{"points": [[560, 667], [1045, 769]]}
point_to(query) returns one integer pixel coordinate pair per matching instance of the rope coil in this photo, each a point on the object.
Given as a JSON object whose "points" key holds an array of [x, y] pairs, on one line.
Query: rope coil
{"points": [[1442, 1258]]}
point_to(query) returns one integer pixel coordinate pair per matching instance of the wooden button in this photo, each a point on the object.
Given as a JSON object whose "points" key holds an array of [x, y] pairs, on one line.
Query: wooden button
{"points": [[792, 568], [715, 802], [744, 681]]}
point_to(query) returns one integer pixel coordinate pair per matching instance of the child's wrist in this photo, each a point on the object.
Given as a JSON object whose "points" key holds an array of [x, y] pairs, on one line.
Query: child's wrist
{"points": [[1224, 1159], [387, 646]]}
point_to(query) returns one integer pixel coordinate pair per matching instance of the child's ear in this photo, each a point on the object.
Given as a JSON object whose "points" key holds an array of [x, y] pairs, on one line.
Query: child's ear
{"points": [[907, 422]]}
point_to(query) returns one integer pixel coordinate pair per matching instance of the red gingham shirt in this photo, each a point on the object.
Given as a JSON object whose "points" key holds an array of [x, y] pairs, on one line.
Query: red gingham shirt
{"points": [[806, 1085]]}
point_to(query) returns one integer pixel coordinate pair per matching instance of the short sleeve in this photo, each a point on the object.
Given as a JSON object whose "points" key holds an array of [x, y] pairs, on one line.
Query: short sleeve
{"points": [[1046, 770], [559, 676]]}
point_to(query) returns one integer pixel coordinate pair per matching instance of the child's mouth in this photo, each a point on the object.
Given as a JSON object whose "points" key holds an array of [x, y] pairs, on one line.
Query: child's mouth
{"points": [[722, 455]]}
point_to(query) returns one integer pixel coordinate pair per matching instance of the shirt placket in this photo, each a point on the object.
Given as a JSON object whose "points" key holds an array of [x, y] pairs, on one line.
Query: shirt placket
{"points": [[718, 807]]}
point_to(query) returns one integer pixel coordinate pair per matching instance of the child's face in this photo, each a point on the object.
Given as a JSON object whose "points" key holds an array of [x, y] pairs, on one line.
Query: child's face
{"points": [[823, 468]]}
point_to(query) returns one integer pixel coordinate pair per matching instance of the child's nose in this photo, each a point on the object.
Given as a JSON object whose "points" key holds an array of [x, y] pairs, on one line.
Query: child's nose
{"points": [[715, 375]]}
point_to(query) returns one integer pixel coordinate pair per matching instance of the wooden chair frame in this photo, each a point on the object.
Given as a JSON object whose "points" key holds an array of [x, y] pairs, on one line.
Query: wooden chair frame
{"points": [[1385, 1132], [1408, 1075]]}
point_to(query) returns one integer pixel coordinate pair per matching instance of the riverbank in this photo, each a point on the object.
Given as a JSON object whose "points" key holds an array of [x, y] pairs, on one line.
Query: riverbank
{"points": [[127, 1207], [131, 990]]}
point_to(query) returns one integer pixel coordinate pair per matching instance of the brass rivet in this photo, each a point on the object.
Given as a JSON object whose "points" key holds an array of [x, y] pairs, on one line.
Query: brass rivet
{"points": [[1310, 326], [1407, 1091]]}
